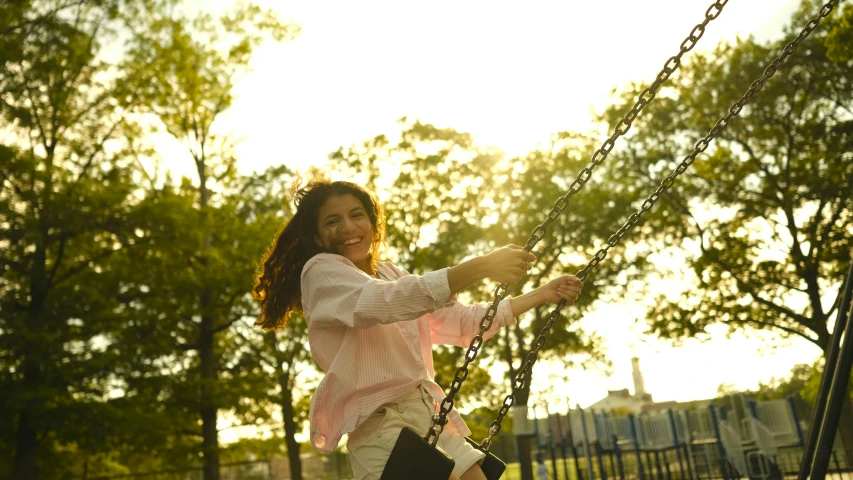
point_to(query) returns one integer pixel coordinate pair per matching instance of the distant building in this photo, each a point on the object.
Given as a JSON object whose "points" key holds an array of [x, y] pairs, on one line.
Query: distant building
{"points": [[640, 402]]}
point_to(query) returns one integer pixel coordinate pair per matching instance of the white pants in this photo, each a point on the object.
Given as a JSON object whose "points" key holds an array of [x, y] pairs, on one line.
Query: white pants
{"points": [[371, 443]]}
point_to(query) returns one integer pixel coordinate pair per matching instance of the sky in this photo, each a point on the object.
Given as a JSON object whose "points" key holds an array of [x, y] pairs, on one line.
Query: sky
{"points": [[510, 73]]}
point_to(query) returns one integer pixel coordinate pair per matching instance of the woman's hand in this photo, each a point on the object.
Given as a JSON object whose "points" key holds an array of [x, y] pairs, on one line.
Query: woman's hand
{"points": [[504, 265], [508, 264], [566, 287]]}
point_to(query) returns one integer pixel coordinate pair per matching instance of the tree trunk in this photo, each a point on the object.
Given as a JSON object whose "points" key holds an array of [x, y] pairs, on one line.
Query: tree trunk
{"points": [[525, 445], [206, 343], [210, 433], [525, 456], [24, 466], [290, 429]]}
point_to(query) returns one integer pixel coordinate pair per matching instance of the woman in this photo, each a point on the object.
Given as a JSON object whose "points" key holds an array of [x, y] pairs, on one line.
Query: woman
{"points": [[371, 325]]}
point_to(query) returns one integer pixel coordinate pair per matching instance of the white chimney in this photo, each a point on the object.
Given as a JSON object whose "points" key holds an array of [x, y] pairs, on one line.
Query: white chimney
{"points": [[639, 385]]}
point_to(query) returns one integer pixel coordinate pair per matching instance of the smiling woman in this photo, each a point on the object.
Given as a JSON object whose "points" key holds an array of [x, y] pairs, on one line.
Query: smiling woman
{"points": [[325, 212], [371, 325], [345, 228]]}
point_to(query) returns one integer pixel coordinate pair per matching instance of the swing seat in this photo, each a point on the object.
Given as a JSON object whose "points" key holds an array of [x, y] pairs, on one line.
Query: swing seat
{"points": [[492, 466], [412, 458]]}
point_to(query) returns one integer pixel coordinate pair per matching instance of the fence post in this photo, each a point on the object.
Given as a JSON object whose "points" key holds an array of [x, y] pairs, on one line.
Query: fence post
{"points": [[636, 442], [563, 445], [572, 447], [675, 441], [607, 429], [587, 453], [598, 433], [619, 465], [552, 444], [536, 431]]}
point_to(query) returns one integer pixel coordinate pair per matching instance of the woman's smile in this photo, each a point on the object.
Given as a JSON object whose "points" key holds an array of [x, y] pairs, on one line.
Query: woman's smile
{"points": [[345, 228]]}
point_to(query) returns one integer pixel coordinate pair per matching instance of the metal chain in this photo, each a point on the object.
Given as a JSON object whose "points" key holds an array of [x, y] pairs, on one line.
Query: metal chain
{"points": [[700, 146], [645, 97]]}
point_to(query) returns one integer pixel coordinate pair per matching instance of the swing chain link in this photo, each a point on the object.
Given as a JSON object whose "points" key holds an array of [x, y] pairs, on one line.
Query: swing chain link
{"points": [[700, 146], [585, 174]]}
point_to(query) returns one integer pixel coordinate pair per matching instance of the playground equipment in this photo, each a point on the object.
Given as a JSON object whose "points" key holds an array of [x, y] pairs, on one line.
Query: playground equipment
{"points": [[697, 443]]}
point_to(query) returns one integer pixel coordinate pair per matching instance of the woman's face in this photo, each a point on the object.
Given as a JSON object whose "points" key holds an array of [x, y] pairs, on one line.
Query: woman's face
{"points": [[344, 227]]}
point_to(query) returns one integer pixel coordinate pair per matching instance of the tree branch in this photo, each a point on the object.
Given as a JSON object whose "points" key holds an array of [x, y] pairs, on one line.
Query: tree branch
{"points": [[81, 266], [228, 324], [789, 330], [58, 261], [190, 433], [41, 18], [186, 347], [754, 295]]}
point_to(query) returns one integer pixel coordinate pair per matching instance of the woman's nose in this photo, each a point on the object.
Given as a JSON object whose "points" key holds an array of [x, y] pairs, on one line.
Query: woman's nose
{"points": [[347, 226]]}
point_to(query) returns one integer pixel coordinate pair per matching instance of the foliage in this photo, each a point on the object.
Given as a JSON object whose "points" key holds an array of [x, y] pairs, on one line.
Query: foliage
{"points": [[803, 382], [103, 278], [184, 70], [766, 212], [125, 318], [764, 215], [67, 210]]}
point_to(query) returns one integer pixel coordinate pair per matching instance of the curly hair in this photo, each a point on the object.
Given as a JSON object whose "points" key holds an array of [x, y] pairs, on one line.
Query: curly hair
{"points": [[278, 286]]}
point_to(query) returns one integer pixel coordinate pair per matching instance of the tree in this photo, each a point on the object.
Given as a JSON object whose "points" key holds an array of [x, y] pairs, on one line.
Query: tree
{"points": [[67, 196], [289, 353], [803, 383], [186, 70], [282, 354], [766, 214], [840, 38]]}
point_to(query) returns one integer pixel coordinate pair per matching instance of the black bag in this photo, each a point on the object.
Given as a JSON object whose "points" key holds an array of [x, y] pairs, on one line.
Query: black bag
{"points": [[412, 458]]}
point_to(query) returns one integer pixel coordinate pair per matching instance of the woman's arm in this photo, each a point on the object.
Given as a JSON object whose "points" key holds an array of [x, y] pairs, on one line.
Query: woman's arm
{"points": [[458, 324], [504, 265], [566, 287], [336, 293]]}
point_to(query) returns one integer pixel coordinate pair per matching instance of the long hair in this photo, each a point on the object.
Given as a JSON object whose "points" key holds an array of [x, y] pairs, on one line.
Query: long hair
{"points": [[278, 286]]}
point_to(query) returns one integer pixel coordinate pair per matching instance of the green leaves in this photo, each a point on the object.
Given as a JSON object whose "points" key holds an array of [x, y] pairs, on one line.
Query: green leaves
{"points": [[840, 38], [183, 70], [769, 202], [114, 296]]}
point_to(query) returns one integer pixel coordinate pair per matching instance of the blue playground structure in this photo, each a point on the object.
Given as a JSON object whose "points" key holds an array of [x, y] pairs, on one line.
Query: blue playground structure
{"points": [[704, 442]]}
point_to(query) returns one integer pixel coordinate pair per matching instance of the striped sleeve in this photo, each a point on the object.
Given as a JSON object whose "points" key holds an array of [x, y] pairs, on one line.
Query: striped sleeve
{"points": [[458, 324], [336, 293]]}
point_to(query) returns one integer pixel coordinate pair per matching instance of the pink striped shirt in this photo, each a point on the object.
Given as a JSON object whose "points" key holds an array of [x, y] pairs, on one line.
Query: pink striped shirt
{"points": [[373, 338]]}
